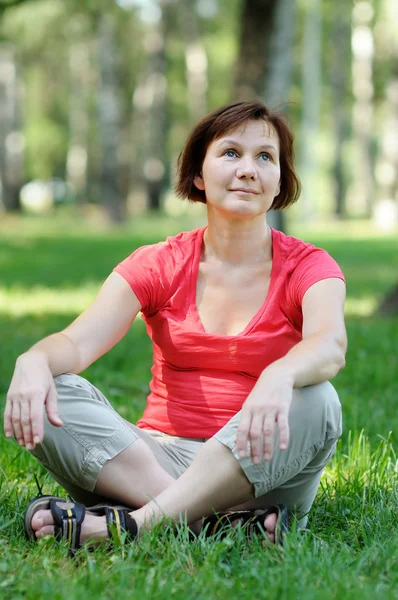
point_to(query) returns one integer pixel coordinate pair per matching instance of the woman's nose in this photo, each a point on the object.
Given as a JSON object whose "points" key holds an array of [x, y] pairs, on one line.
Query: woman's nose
{"points": [[246, 170]]}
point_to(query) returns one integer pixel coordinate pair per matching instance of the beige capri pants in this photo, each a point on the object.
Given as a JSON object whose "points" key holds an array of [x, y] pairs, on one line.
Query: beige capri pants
{"points": [[93, 433]]}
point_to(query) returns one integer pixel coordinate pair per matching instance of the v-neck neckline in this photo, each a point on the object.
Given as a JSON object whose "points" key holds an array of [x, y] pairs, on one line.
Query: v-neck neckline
{"points": [[194, 281]]}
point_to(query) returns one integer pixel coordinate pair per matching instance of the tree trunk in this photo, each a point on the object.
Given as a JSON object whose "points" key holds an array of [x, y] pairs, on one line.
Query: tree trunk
{"points": [[386, 207], [361, 194], [389, 306], [258, 17], [150, 116], [387, 168], [11, 137], [339, 49], [311, 98], [277, 77], [76, 163], [109, 120], [195, 61]]}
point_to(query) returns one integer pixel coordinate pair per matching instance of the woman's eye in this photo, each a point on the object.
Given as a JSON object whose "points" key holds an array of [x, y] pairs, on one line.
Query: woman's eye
{"points": [[265, 156], [230, 153]]}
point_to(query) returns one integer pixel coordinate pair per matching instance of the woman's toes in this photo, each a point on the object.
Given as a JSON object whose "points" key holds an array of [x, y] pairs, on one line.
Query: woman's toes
{"points": [[270, 523], [270, 526], [41, 519], [46, 530]]}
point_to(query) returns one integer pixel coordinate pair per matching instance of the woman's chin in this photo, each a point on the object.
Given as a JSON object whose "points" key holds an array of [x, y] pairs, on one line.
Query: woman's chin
{"points": [[242, 209]]}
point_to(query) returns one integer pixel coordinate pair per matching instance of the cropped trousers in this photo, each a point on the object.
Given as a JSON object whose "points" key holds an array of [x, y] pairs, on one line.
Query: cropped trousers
{"points": [[94, 433]]}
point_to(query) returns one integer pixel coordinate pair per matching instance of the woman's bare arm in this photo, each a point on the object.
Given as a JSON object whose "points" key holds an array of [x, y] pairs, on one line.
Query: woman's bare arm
{"points": [[90, 336], [317, 358]]}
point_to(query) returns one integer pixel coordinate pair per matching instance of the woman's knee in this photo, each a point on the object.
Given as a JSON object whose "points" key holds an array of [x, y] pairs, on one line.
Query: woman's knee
{"points": [[320, 405], [74, 390]]}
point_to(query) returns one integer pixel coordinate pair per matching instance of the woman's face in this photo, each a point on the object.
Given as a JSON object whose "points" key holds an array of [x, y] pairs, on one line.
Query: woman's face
{"points": [[241, 172]]}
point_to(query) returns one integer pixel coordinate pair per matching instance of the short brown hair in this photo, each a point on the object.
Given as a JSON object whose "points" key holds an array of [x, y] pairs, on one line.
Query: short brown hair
{"points": [[215, 125]]}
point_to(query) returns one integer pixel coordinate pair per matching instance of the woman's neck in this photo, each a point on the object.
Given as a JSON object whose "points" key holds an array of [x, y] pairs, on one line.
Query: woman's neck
{"points": [[238, 242]]}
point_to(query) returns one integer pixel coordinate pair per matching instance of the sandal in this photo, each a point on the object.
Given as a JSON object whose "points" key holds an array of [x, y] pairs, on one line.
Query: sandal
{"points": [[252, 520], [68, 518]]}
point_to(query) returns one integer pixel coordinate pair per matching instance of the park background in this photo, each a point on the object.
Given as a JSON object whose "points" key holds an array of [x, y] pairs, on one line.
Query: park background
{"points": [[96, 100]]}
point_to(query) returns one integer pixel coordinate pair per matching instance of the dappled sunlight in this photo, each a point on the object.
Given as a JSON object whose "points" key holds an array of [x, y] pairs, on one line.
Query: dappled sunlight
{"points": [[329, 228], [39, 300], [364, 306]]}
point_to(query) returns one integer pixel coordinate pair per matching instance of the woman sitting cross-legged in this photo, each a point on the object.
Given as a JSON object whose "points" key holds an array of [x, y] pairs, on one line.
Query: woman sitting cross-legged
{"points": [[247, 328]]}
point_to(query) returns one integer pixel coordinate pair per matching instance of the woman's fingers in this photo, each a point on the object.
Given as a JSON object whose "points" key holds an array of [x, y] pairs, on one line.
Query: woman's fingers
{"points": [[23, 416], [242, 436], [284, 432], [8, 429], [269, 434], [52, 407], [256, 438], [36, 418], [260, 432], [16, 422], [26, 423]]}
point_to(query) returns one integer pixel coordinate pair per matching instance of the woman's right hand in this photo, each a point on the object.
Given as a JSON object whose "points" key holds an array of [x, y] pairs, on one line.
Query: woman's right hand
{"points": [[32, 388]]}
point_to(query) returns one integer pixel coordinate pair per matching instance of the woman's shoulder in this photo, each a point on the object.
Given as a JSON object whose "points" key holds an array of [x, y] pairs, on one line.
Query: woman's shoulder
{"points": [[172, 247], [185, 240], [294, 250]]}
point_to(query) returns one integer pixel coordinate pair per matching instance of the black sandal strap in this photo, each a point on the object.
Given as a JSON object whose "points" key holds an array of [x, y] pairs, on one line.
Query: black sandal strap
{"points": [[120, 522], [252, 520], [68, 518]]}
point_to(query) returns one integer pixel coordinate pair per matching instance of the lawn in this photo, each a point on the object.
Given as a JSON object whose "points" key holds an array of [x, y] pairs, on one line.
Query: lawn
{"points": [[50, 269]]}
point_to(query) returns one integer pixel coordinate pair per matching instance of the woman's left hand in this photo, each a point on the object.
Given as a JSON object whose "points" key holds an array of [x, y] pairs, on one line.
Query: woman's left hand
{"points": [[265, 409]]}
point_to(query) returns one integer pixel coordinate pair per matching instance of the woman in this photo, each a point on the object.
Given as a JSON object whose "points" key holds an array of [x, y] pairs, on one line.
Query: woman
{"points": [[247, 327]]}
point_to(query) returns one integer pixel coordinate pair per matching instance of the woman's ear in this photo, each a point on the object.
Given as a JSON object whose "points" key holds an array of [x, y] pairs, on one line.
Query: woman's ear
{"points": [[198, 181]]}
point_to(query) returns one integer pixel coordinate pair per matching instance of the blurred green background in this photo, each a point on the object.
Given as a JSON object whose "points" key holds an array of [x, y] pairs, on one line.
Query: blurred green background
{"points": [[97, 98]]}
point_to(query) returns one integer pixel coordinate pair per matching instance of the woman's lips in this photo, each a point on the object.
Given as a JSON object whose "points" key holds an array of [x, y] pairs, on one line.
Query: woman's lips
{"points": [[244, 191]]}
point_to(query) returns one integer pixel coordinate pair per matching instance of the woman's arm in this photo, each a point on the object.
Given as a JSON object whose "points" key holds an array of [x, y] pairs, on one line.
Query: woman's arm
{"points": [[318, 357], [321, 353], [92, 334]]}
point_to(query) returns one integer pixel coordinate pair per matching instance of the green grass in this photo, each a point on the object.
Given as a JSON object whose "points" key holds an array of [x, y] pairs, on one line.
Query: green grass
{"points": [[49, 270]]}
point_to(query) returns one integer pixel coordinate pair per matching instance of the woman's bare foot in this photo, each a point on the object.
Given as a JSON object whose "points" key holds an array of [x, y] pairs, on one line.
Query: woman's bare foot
{"points": [[93, 527], [269, 526]]}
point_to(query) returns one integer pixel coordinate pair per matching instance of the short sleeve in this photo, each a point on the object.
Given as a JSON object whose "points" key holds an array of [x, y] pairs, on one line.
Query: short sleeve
{"points": [[148, 271], [314, 266]]}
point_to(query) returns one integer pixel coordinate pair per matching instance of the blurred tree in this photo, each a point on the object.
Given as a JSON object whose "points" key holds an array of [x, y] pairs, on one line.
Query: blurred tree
{"points": [[339, 63], [277, 78], [11, 138], [109, 118], [150, 105], [387, 168], [257, 21], [195, 60], [311, 105], [79, 93], [362, 193]]}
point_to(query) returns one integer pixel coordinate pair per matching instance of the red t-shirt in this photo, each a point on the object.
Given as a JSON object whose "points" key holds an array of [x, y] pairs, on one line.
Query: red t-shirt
{"points": [[200, 380]]}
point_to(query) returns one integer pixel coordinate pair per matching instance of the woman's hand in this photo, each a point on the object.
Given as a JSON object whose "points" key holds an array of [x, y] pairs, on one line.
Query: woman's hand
{"points": [[32, 387], [265, 409]]}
